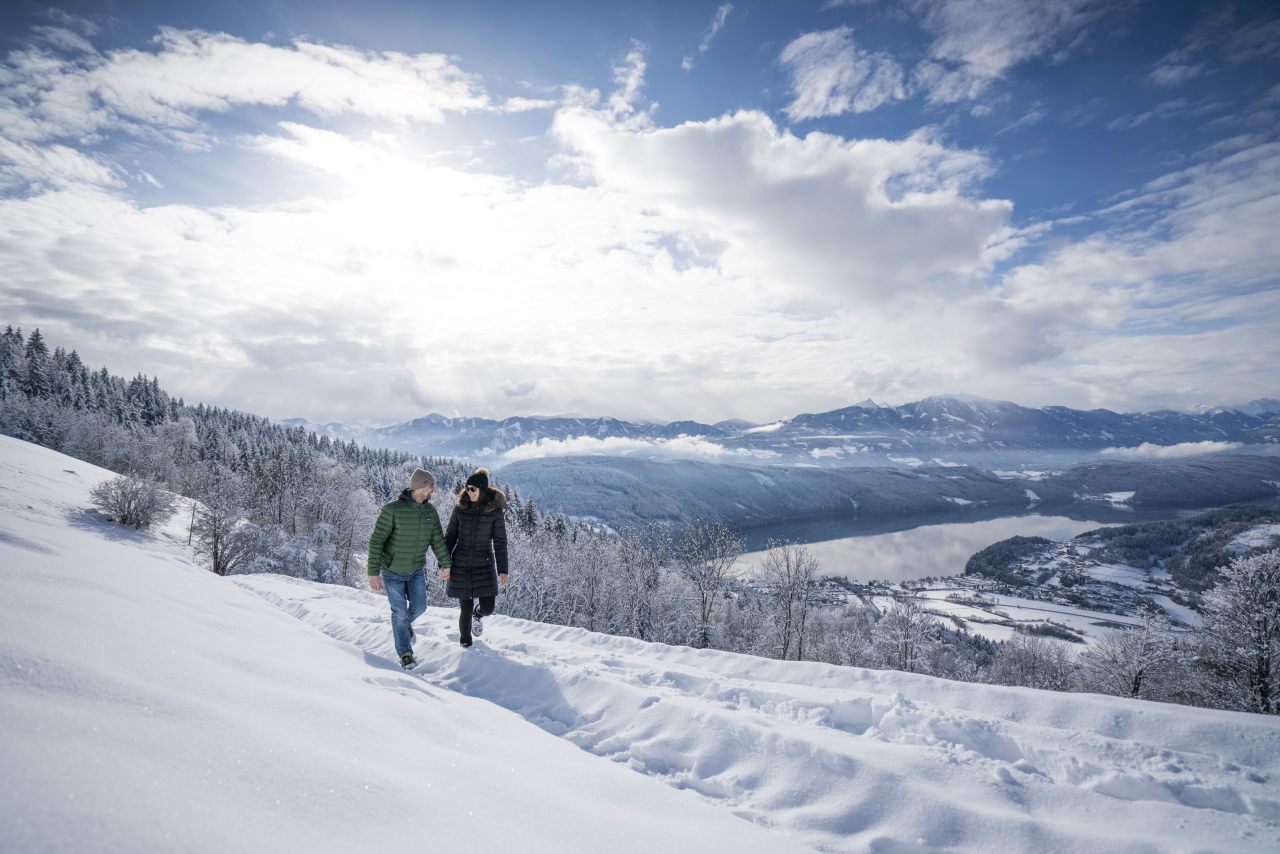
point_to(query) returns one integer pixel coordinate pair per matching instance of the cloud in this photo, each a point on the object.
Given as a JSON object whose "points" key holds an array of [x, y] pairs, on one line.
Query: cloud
{"points": [[629, 78], [1222, 34], [1035, 116], [1161, 111], [1172, 297], [1148, 451], [684, 447], [74, 22], [524, 105], [830, 76], [51, 166], [520, 390], [818, 215], [63, 39], [1254, 41], [1174, 70], [717, 24], [977, 42], [164, 91]]}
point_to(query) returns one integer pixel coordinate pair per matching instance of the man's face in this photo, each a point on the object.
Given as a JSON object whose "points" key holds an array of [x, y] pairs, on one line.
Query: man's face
{"points": [[423, 493]]}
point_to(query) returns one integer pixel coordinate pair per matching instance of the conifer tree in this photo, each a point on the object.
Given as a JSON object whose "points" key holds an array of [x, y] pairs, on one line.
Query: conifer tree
{"points": [[36, 381]]}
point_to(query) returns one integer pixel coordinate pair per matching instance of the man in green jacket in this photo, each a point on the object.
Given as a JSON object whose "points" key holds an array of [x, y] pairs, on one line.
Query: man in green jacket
{"points": [[398, 556]]}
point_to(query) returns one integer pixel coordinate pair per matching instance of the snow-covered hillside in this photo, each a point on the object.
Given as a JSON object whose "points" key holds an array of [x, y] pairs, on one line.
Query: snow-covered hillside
{"points": [[151, 706]]}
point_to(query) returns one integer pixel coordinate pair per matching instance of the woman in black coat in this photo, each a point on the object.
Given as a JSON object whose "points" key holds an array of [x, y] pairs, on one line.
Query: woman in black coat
{"points": [[477, 539]]}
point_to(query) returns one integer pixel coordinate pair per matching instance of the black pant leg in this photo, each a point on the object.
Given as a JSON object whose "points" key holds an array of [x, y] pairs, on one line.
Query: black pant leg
{"points": [[486, 605], [465, 606]]}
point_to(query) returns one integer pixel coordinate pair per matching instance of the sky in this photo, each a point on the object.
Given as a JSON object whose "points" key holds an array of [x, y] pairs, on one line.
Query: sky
{"points": [[367, 212]]}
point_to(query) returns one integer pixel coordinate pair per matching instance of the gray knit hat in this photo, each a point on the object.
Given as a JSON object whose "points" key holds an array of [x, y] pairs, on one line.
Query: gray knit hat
{"points": [[421, 478]]}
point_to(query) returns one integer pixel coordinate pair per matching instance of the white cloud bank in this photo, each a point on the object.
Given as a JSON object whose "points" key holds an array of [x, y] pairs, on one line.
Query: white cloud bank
{"points": [[685, 447], [818, 211], [190, 72], [1148, 451]]}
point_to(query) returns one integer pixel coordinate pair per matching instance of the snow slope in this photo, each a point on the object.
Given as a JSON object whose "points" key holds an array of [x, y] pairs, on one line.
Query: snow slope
{"points": [[148, 705]]}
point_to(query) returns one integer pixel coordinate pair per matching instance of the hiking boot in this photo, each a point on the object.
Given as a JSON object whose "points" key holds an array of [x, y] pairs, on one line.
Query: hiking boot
{"points": [[465, 644], [407, 661], [477, 627]]}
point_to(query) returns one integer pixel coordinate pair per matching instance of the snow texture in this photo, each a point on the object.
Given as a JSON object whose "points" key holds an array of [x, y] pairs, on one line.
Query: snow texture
{"points": [[148, 705]]}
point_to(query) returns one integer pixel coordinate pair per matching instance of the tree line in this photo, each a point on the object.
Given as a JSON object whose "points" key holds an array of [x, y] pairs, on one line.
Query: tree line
{"points": [[269, 498]]}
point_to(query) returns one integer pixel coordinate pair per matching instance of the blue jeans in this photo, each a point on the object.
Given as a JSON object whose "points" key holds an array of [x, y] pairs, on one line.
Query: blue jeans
{"points": [[408, 597]]}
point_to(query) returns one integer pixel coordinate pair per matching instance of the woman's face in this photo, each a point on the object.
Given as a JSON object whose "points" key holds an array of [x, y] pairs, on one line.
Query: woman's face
{"points": [[473, 492]]}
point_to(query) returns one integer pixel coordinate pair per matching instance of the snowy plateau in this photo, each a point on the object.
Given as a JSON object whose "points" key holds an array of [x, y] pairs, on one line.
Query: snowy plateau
{"points": [[149, 705]]}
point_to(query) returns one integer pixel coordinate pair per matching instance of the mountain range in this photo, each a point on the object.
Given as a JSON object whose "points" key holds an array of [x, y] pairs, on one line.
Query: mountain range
{"points": [[973, 430]]}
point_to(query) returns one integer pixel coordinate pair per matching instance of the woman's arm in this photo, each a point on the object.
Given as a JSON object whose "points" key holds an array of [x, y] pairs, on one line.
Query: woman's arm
{"points": [[500, 542], [451, 535]]}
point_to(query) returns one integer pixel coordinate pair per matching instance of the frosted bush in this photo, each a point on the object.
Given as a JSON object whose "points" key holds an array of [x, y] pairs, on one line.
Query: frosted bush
{"points": [[133, 501]]}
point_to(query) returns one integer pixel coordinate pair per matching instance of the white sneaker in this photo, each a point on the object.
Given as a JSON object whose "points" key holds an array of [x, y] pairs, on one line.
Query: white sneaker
{"points": [[477, 627]]}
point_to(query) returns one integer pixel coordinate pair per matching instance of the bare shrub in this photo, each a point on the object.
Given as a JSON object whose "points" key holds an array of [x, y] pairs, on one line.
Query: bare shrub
{"points": [[133, 501]]}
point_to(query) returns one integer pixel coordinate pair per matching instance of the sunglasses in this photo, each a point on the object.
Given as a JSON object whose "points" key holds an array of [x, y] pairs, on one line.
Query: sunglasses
{"points": [[473, 489]]}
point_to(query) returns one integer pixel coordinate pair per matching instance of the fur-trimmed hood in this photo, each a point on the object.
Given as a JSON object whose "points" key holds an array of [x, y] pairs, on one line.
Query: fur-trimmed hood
{"points": [[492, 500]]}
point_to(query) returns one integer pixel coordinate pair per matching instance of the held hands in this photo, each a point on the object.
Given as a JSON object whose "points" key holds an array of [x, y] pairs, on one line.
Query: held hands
{"points": [[444, 576]]}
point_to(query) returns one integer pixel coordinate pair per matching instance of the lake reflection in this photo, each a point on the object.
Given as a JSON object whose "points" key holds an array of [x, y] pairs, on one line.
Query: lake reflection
{"points": [[929, 550]]}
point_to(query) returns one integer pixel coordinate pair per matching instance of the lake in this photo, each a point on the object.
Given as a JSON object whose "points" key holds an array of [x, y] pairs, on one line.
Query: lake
{"points": [[910, 548]]}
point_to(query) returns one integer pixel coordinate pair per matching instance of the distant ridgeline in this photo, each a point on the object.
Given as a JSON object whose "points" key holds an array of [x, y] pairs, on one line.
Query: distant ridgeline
{"points": [[308, 500]]}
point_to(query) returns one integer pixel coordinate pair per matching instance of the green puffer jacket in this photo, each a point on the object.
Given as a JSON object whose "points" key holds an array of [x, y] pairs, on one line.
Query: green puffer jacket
{"points": [[401, 535]]}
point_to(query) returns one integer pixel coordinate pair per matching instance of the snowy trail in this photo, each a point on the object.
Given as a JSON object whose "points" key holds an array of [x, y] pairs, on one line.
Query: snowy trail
{"points": [[842, 757]]}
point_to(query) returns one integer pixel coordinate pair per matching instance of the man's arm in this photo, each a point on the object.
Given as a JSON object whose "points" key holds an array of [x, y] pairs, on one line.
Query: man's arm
{"points": [[378, 541], [450, 543], [436, 540]]}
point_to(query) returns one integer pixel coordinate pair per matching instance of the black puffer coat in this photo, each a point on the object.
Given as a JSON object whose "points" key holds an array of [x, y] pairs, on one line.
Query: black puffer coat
{"points": [[477, 535]]}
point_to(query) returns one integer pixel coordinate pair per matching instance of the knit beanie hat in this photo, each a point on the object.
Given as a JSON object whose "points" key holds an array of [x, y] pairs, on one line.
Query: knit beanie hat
{"points": [[421, 478], [480, 479]]}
